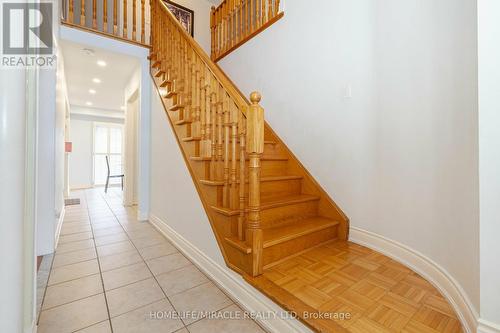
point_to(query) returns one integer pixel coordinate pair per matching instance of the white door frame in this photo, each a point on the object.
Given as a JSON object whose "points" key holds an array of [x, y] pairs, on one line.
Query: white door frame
{"points": [[131, 151]]}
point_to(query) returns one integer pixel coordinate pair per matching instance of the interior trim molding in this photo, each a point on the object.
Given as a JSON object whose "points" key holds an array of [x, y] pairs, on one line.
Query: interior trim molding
{"points": [[485, 326], [58, 227], [235, 287], [426, 267]]}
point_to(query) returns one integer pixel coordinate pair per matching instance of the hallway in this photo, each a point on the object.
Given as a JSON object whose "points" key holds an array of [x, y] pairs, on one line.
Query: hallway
{"points": [[112, 273]]}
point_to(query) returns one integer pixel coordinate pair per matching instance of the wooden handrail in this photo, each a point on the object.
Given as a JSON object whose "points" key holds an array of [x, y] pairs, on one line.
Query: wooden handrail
{"points": [[227, 129], [234, 22], [233, 91], [96, 18]]}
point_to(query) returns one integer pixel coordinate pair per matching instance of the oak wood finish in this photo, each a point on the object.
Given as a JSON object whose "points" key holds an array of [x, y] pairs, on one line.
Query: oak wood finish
{"points": [[118, 27], [262, 204], [378, 293], [234, 22]]}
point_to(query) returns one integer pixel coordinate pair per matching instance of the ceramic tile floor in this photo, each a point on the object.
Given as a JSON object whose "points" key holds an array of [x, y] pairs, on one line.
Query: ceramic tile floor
{"points": [[111, 273]]}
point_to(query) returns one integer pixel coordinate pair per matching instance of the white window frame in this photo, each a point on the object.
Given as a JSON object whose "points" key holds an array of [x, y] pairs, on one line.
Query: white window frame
{"points": [[108, 125]]}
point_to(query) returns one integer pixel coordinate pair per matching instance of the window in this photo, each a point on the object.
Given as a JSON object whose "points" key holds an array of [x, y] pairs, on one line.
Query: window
{"points": [[107, 142]]}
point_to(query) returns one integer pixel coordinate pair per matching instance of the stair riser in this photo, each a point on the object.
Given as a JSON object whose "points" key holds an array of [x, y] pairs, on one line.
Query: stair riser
{"points": [[275, 216], [277, 252], [268, 189], [268, 168]]}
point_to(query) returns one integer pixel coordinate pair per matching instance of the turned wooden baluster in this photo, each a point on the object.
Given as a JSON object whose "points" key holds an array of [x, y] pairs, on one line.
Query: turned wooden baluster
{"points": [[276, 6], [134, 19], [94, 14], [220, 131], [197, 102], [227, 127], [213, 119], [115, 17], [212, 32], [235, 116], [71, 11], [82, 12], [125, 19], [203, 110], [255, 148], [192, 113], [208, 116], [143, 22], [241, 194], [105, 15]]}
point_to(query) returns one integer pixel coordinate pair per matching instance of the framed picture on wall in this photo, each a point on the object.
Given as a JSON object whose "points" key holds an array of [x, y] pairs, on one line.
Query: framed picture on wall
{"points": [[183, 14]]}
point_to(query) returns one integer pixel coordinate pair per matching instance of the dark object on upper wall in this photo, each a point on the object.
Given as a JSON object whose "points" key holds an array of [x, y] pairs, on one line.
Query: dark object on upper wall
{"points": [[183, 14]]}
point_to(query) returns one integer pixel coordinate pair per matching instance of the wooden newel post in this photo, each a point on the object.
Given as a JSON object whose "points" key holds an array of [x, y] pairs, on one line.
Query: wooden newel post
{"points": [[255, 148]]}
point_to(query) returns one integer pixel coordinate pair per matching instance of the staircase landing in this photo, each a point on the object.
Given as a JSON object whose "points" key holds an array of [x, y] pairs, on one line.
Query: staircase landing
{"points": [[359, 290]]}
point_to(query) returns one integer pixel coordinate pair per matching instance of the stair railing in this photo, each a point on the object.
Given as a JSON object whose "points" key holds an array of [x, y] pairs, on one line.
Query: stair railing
{"points": [[234, 22], [122, 19], [228, 126]]}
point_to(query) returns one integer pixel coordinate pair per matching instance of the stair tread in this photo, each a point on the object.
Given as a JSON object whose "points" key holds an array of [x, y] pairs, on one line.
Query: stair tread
{"points": [[280, 234], [263, 158], [272, 202], [262, 179], [183, 121]]}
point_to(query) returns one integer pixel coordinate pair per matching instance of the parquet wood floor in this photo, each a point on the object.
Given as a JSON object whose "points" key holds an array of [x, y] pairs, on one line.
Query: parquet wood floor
{"points": [[377, 293]]}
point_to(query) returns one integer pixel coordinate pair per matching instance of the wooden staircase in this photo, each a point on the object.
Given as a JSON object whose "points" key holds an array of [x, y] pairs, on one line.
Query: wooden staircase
{"points": [[263, 205]]}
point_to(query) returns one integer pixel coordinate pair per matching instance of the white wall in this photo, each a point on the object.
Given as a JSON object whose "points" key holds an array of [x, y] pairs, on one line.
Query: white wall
{"points": [[489, 162], [174, 198], [400, 155], [201, 10], [80, 159]]}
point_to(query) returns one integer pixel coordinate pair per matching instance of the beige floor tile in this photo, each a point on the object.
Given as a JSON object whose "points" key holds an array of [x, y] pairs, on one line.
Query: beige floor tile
{"points": [[158, 250], [74, 257], [107, 231], [73, 316], [74, 271], [110, 239], [67, 230], [125, 275], [73, 290], [63, 239], [180, 280], [149, 241], [167, 263], [74, 246], [133, 296], [119, 260], [102, 327], [120, 247], [219, 325], [146, 231], [105, 225], [206, 297], [142, 321]]}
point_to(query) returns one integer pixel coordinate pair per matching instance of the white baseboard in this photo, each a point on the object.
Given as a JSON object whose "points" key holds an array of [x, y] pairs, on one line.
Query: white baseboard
{"points": [[58, 227], [235, 287], [426, 267], [485, 326]]}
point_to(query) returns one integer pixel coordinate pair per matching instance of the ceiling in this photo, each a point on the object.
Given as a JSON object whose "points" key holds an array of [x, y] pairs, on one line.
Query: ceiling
{"points": [[81, 68]]}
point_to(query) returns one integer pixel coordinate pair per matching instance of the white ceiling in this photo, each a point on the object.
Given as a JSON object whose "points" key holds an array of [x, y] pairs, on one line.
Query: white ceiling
{"points": [[80, 68]]}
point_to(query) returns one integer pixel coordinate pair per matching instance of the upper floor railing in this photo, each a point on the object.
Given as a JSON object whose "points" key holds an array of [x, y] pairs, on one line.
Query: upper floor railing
{"points": [[127, 20], [234, 22]]}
